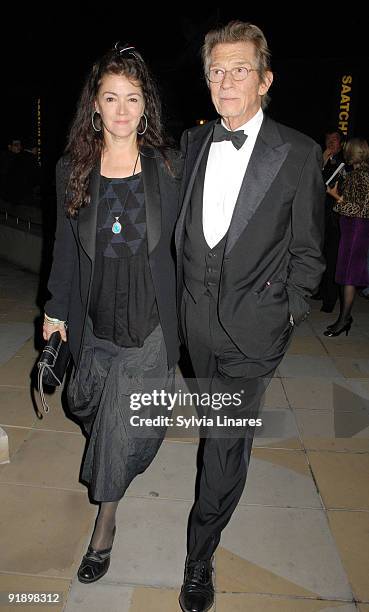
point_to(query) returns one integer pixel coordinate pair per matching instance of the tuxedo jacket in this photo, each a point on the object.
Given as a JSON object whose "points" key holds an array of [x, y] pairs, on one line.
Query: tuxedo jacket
{"points": [[71, 274], [273, 254]]}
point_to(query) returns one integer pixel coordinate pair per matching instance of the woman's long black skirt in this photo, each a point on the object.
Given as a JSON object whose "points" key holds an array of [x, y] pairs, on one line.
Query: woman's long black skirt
{"points": [[104, 394]]}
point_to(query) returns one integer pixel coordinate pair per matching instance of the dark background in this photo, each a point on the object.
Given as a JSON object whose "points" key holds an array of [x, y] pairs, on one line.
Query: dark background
{"points": [[47, 56]]}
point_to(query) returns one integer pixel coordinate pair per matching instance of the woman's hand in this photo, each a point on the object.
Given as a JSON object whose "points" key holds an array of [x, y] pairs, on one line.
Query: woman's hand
{"points": [[49, 328], [333, 191]]}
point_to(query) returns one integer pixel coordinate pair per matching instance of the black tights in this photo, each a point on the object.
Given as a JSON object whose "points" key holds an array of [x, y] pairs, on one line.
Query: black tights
{"points": [[347, 296], [105, 521]]}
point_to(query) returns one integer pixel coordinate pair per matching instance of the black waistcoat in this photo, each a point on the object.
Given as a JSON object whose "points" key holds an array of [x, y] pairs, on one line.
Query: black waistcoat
{"points": [[201, 265]]}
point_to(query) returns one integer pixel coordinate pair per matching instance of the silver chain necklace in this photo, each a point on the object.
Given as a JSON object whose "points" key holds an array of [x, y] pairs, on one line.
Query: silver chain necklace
{"points": [[116, 228]]}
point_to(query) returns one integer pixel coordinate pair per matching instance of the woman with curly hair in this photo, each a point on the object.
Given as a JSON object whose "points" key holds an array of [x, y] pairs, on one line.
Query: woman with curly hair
{"points": [[353, 207], [113, 277]]}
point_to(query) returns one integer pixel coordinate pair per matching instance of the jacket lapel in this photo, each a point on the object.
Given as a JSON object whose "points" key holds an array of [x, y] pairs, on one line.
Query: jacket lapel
{"points": [[152, 197], [87, 215], [265, 162], [195, 152]]}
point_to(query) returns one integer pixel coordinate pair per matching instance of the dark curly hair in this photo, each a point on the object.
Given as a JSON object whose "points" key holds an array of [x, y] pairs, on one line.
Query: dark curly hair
{"points": [[84, 143]]}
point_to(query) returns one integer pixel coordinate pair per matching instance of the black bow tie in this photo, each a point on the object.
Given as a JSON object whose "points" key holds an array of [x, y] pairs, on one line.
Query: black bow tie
{"points": [[237, 138]]}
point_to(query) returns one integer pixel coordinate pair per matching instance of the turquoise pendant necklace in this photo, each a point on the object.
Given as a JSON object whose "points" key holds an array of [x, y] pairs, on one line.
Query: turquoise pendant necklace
{"points": [[116, 228]]}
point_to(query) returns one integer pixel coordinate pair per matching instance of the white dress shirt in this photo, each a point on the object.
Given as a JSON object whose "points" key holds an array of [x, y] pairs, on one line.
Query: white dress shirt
{"points": [[225, 171]]}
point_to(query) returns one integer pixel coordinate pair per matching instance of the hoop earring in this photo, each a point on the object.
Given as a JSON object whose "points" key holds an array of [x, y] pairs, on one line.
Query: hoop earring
{"points": [[141, 133], [92, 121]]}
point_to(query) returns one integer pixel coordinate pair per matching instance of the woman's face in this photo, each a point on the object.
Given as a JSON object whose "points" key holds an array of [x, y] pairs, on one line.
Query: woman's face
{"points": [[121, 105]]}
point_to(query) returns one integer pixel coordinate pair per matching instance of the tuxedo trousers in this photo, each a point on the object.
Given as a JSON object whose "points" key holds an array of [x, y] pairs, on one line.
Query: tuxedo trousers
{"points": [[328, 285], [223, 462]]}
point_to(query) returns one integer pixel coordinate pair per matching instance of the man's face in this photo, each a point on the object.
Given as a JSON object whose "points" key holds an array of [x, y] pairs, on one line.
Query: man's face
{"points": [[15, 146], [333, 143], [237, 101]]}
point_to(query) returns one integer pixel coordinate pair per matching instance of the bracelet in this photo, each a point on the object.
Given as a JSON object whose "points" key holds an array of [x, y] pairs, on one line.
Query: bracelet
{"points": [[51, 320]]}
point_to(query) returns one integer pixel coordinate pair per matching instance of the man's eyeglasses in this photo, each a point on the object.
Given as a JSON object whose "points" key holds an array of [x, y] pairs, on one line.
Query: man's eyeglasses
{"points": [[239, 73]]}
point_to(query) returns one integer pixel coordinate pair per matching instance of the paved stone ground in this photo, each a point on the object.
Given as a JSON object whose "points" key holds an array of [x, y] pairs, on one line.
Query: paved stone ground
{"points": [[299, 539]]}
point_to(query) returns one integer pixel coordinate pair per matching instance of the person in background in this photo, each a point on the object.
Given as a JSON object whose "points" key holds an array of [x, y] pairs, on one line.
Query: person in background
{"points": [[352, 204], [8, 160], [30, 147], [332, 158], [27, 175]]}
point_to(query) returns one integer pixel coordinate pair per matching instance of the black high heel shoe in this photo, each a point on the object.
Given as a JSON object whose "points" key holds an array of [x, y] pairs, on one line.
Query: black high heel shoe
{"points": [[95, 563], [349, 320], [331, 333]]}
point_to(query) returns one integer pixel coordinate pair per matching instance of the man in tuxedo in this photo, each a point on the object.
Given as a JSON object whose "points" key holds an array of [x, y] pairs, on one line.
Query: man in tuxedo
{"points": [[249, 242]]}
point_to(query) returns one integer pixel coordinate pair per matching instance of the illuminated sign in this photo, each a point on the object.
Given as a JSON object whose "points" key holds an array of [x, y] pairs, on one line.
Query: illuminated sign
{"points": [[345, 103]]}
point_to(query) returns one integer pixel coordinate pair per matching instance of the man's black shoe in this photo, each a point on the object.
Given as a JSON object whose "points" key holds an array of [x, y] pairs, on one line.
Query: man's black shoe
{"points": [[197, 592]]}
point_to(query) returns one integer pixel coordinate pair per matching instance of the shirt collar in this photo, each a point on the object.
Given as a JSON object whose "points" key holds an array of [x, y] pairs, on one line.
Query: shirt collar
{"points": [[252, 126]]}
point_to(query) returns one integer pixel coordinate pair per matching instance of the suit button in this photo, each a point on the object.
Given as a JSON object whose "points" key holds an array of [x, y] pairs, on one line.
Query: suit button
{"points": [[210, 254], [209, 270]]}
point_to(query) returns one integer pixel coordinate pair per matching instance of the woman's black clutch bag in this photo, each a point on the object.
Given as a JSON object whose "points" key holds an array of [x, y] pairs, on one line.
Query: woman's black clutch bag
{"points": [[52, 365]]}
